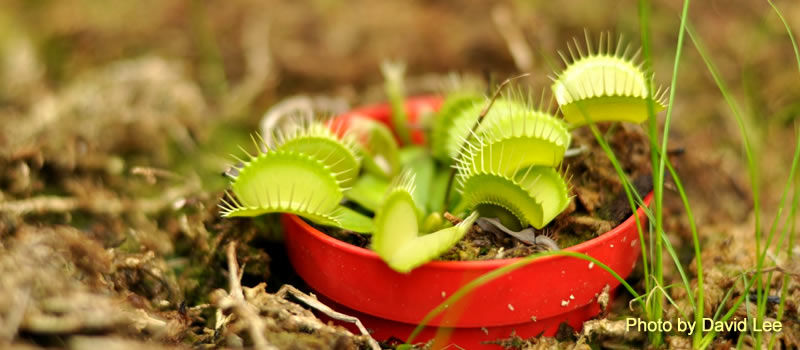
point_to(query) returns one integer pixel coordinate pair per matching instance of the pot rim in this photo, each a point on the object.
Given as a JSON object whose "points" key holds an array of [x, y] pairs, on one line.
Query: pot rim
{"points": [[466, 264]]}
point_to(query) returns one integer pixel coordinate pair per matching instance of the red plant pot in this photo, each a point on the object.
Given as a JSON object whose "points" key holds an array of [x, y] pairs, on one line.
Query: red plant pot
{"points": [[529, 301]]}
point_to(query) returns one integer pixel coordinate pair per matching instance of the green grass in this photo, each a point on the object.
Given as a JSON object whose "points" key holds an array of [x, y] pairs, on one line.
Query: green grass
{"points": [[655, 311], [762, 290], [790, 234], [790, 244], [700, 298]]}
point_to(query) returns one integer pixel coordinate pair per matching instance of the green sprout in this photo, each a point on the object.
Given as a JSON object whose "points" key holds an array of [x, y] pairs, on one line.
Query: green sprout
{"points": [[501, 156]]}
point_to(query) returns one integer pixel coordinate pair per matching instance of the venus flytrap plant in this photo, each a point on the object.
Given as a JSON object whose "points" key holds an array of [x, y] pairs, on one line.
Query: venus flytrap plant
{"points": [[368, 191], [454, 124], [456, 104], [307, 173], [506, 156], [497, 141], [520, 188], [609, 85], [494, 179], [397, 238], [533, 196]]}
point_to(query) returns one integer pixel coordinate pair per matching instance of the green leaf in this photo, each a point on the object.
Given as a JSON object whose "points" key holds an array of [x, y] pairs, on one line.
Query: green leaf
{"points": [[396, 221], [376, 144], [505, 170], [420, 163], [439, 190], [409, 154], [349, 219], [397, 239], [534, 197], [368, 191], [549, 189], [430, 246]]}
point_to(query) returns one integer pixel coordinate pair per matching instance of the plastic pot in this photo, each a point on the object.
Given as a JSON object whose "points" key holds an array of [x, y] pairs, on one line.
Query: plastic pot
{"points": [[529, 301]]}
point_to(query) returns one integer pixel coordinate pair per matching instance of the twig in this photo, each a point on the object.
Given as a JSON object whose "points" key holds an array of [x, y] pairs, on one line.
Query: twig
{"points": [[475, 126], [98, 205], [242, 308], [40, 204], [452, 218], [313, 303], [151, 175]]}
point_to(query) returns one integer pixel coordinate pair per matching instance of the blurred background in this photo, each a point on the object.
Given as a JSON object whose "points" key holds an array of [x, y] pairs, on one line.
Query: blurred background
{"points": [[117, 118]]}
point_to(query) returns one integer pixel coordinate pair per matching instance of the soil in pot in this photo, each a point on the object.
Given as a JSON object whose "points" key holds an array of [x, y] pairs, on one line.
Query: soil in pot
{"points": [[599, 202]]}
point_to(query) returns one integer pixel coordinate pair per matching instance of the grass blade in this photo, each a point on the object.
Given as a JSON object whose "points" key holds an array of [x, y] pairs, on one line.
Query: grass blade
{"points": [[751, 164]]}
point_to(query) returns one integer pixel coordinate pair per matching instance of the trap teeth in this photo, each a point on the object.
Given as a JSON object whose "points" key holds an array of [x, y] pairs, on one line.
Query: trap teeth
{"points": [[606, 85], [318, 141], [535, 196]]}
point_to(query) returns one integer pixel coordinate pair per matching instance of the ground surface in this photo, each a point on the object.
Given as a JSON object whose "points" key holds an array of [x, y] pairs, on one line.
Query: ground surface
{"points": [[116, 120]]}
